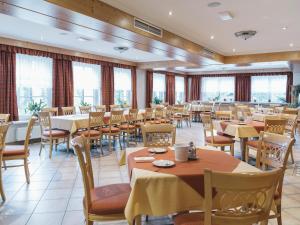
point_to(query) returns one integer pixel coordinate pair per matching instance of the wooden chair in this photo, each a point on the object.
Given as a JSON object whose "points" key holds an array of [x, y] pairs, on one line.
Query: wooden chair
{"points": [[70, 110], [178, 115], [129, 128], [235, 199], [158, 135], [187, 115], [53, 111], [100, 108], [223, 115], [3, 131], [290, 128], [275, 150], [276, 126], [114, 107], [148, 115], [113, 129], [215, 140], [20, 152], [51, 136], [4, 118], [105, 203], [85, 109], [94, 131], [291, 111]]}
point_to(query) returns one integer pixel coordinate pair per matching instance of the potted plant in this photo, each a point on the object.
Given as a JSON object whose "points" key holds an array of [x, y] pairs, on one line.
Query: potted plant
{"points": [[157, 101], [35, 107], [83, 103]]}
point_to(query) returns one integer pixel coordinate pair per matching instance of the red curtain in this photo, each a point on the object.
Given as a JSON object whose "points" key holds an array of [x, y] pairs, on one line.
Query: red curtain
{"points": [[186, 88], [133, 85], [107, 85], [195, 88], [243, 88], [170, 88], [149, 87], [62, 93], [289, 85], [8, 94]]}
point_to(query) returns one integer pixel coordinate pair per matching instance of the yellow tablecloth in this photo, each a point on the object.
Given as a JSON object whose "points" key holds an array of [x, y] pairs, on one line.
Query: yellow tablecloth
{"points": [[159, 194]]}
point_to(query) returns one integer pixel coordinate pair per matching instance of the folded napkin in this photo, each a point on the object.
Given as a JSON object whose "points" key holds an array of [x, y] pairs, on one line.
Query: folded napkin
{"points": [[144, 159]]}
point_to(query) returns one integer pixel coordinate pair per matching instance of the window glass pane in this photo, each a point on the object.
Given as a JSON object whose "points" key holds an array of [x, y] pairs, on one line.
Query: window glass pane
{"points": [[179, 89], [122, 85], [268, 88], [87, 83], [33, 80], [159, 86], [217, 88]]}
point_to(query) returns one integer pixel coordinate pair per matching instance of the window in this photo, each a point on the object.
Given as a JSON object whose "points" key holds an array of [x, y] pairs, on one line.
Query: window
{"points": [[87, 83], [122, 84], [159, 86], [268, 88], [179, 89], [33, 80], [217, 88]]}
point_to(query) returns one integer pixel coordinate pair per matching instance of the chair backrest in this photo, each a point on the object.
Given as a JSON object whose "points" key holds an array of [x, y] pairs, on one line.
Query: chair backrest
{"points": [[239, 198], [116, 117], [45, 122], [291, 123], [4, 118], [70, 110], [85, 109], [223, 115], [148, 114], [207, 125], [132, 115], [276, 126], [28, 133], [233, 110], [114, 107], [159, 113], [100, 108], [3, 131], [169, 111], [290, 111], [96, 119], [158, 135], [81, 147], [53, 111]]}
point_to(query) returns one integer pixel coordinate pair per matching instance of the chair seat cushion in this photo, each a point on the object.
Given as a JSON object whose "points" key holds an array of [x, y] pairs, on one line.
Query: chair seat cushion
{"points": [[223, 134], [164, 121], [13, 150], [189, 219], [55, 133], [93, 133], [113, 130], [109, 199], [219, 140], [253, 143], [126, 126], [139, 124]]}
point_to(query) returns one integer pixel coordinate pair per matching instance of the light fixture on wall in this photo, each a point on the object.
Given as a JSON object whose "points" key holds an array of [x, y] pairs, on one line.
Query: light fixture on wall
{"points": [[245, 34]]}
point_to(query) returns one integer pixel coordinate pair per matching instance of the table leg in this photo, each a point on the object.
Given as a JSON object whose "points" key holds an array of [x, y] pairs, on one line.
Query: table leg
{"points": [[243, 147], [138, 220]]}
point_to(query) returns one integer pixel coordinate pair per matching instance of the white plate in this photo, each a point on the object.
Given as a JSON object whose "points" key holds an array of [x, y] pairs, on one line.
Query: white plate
{"points": [[163, 163], [157, 150]]}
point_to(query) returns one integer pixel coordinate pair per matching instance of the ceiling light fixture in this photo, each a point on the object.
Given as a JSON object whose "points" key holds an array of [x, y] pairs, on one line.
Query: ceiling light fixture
{"points": [[213, 4], [170, 13], [121, 49], [291, 44], [245, 34], [226, 15], [284, 28], [233, 49], [82, 39], [212, 37]]}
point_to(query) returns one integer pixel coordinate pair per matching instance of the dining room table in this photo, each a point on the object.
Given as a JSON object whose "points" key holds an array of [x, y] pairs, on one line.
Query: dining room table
{"points": [[160, 191], [259, 116], [242, 130]]}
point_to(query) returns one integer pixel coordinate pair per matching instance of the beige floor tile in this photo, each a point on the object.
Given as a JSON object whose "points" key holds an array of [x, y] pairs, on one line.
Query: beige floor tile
{"points": [[51, 206], [46, 219]]}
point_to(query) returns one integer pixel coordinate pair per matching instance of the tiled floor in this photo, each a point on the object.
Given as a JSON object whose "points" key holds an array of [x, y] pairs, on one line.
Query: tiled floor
{"points": [[54, 196]]}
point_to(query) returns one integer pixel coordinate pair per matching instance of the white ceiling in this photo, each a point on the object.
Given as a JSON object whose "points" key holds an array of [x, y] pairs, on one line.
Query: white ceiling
{"points": [[195, 21], [19, 29]]}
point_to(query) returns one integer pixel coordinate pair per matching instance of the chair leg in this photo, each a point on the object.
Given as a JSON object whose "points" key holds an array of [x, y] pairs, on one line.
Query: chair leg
{"points": [[120, 142], [279, 219], [247, 154], [41, 147], [1, 186], [89, 222], [101, 145], [109, 142], [27, 174], [51, 148], [232, 149], [292, 156], [68, 144]]}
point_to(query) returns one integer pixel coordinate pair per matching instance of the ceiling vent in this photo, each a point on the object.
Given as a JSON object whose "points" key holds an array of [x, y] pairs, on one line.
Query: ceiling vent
{"points": [[208, 53], [147, 27], [245, 34]]}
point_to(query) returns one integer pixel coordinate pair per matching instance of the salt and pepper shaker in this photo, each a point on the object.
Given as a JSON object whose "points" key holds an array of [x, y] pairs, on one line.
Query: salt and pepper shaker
{"points": [[192, 151]]}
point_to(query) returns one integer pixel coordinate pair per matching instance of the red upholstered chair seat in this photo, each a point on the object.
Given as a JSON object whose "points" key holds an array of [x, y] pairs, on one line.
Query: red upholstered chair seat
{"points": [[113, 130], [219, 140], [126, 126], [93, 133], [109, 199], [13, 150], [55, 133]]}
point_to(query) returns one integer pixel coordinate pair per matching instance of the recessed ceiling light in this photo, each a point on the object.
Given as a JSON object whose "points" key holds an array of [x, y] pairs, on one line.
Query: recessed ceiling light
{"points": [[291, 44], [170, 13], [212, 37], [284, 28], [83, 39], [233, 49], [213, 4], [226, 15]]}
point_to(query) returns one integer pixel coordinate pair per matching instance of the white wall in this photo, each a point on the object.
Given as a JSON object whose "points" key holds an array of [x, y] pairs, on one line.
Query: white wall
{"points": [[141, 88]]}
